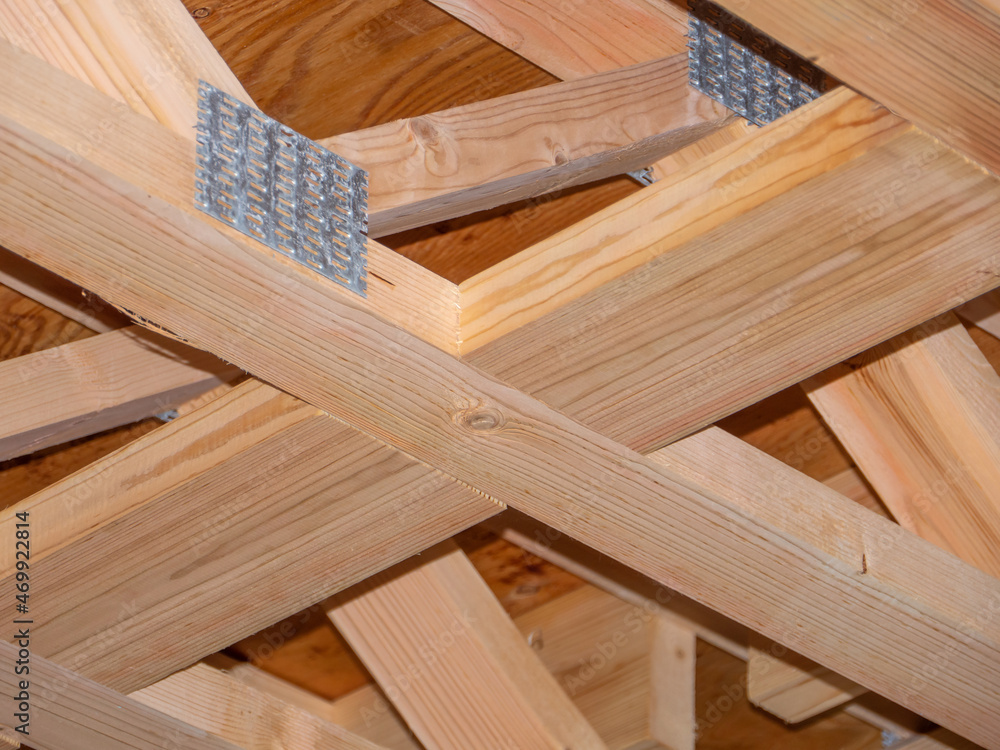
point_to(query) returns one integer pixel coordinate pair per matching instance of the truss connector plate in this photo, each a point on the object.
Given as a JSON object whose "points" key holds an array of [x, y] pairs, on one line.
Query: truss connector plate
{"points": [[281, 188], [745, 70]]}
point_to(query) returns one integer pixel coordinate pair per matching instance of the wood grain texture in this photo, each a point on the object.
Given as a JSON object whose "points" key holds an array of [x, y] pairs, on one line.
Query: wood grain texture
{"points": [[519, 146], [149, 54], [68, 710], [452, 662], [125, 568], [757, 304], [920, 414], [57, 294], [325, 69], [82, 388], [735, 179], [672, 685], [509, 446], [160, 164], [224, 706], [572, 40], [932, 62]]}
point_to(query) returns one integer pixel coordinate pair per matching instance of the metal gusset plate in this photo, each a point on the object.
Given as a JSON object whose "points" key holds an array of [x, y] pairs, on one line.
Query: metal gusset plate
{"points": [[745, 70], [281, 188]]}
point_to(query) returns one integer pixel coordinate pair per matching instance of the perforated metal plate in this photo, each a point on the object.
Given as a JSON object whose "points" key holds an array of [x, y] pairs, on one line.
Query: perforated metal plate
{"points": [[281, 188], [744, 69]]}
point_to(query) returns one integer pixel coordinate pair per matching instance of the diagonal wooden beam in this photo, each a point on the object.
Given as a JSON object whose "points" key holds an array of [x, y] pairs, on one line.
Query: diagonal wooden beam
{"points": [[452, 662], [401, 389], [507, 149], [239, 514], [251, 719], [919, 415], [932, 62], [67, 710], [85, 387]]}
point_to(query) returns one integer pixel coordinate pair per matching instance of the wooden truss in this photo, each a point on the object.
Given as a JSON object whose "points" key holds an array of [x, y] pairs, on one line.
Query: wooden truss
{"points": [[576, 382]]}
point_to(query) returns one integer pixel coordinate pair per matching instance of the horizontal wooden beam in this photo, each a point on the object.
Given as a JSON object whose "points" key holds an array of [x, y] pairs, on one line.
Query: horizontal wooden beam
{"points": [[193, 523], [86, 387], [511, 148], [215, 702], [66, 710], [932, 62], [452, 662], [392, 385]]}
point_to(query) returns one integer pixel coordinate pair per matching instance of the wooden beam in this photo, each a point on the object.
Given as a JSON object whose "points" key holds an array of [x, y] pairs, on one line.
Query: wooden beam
{"points": [[759, 303], [790, 686], [67, 710], [672, 688], [86, 387], [737, 177], [451, 661], [392, 385], [931, 62], [211, 700], [590, 38], [192, 523], [439, 166], [149, 54], [921, 418], [983, 312]]}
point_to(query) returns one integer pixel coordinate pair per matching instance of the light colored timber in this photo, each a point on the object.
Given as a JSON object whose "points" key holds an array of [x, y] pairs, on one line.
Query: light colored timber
{"points": [[597, 647], [579, 39], [251, 719], [509, 446], [78, 389], [70, 711], [58, 294], [503, 150], [920, 415], [735, 178], [766, 299], [452, 662], [983, 311], [235, 516], [790, 686], [147, 53], [672, 694], [933, 62], [161, 164]]}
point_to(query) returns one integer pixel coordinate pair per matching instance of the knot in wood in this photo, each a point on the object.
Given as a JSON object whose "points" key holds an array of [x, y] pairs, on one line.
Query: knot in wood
{"points": [[485, 419]]}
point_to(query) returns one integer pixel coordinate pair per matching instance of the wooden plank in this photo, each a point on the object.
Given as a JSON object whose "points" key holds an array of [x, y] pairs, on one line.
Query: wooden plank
{"points": [[790, 686], [983, 312], [932, 62], [193, 524], [920, 415], [326, 69], [475, 157], [401, 389], [67, 710], [672, 693], [58, 294], [661, 219], [758, 304], [161, 164], [589, 38], [451, 661], [597, 647], [86, 387], [211, 700]]}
